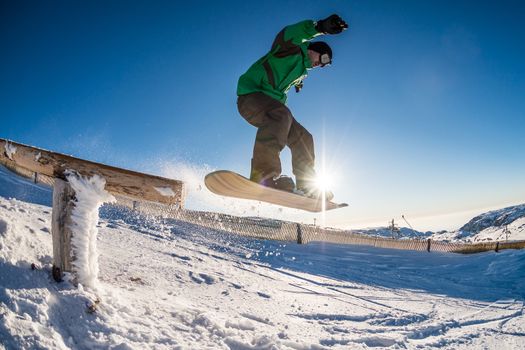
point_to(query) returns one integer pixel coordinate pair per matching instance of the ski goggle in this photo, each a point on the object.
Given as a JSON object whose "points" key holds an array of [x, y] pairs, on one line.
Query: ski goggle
{"points": [[325, 59]]}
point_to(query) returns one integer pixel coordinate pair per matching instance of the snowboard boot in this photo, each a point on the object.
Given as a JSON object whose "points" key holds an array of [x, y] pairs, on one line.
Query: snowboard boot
{"points": [[282, 183]]}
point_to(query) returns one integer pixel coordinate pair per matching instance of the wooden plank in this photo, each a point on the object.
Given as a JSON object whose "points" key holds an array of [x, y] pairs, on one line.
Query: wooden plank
{"points": [[61, 227], [118, 181]]}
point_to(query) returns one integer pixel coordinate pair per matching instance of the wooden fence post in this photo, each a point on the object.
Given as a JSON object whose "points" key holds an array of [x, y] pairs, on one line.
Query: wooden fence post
{"points": [[61, 227], [299, 234]]}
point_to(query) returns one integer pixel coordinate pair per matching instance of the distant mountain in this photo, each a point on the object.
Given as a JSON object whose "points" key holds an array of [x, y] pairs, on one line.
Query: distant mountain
{"points": [[401, 232], [496, 225], [495, 218]]}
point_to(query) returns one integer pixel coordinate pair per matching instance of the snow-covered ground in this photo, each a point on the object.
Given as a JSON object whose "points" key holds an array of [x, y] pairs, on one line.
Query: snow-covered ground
{"points": [[165, 284]]}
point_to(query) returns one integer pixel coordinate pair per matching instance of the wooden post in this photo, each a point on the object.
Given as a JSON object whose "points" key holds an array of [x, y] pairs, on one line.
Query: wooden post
{"points": [[299, 234], [61, 229]]}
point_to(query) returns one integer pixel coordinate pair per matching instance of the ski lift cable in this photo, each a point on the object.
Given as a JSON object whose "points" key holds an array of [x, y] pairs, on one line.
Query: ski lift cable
{"points": [[403, 216]]}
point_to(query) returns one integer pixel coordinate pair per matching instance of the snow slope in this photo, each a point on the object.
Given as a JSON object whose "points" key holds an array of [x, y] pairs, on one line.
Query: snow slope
{"points": [[165, 284]]}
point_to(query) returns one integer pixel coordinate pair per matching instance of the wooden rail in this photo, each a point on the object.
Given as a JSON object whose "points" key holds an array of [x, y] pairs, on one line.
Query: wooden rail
{"points": [[118, 181]]}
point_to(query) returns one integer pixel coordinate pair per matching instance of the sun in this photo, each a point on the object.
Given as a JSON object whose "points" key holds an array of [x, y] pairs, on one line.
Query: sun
{"points": [[324, 181]]}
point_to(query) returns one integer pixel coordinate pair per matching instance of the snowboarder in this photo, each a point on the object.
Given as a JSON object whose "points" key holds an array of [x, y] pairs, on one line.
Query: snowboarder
{"points": [[261, 101]]}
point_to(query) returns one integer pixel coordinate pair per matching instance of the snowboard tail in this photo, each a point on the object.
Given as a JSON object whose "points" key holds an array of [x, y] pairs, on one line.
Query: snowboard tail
{"points": [[230, 184]]}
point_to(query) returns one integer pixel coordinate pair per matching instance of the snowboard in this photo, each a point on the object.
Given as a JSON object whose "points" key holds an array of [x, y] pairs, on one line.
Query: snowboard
{"points": [[230, 184]]}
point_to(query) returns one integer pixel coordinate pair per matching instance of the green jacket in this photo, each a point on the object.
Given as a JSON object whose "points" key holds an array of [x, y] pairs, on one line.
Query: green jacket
{"points": [[285, 65]]}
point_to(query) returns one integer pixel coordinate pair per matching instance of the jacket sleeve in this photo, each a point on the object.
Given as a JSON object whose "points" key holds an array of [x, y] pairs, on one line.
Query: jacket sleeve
{"points": [[294, 35]]}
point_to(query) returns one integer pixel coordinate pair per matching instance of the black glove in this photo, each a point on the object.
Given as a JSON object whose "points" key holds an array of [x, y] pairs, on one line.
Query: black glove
{"points": [[331, 25]]}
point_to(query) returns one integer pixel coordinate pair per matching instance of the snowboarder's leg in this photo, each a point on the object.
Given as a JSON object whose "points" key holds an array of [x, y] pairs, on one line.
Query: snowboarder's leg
{"points": [[273, 120], [301, 144]]}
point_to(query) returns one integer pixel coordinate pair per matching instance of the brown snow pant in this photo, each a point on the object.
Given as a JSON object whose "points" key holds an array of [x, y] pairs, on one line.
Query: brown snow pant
{"points": [[276, 128]]}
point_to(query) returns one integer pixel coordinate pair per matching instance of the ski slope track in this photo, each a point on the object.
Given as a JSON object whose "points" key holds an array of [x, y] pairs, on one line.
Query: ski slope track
{"points": [[164, 284]]}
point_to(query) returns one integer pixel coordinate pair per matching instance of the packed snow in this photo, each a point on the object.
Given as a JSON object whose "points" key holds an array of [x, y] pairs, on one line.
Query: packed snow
{"points": [[10, 150], [89, 197], [166, 284], [165, 191]]}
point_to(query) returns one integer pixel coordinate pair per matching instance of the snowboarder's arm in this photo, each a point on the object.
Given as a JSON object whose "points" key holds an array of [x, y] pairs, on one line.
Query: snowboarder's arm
{"points": [[298, 33], [289, 39]]}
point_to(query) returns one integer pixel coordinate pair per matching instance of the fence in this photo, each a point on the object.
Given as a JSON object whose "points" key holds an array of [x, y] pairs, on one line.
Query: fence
{"points": [[270, 229]]}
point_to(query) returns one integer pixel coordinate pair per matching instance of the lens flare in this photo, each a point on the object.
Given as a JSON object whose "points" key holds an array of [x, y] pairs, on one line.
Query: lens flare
{"points": [[324, 181]]}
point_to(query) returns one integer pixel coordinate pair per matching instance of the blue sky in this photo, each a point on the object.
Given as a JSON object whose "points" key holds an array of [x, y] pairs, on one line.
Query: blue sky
{"points": [[421, 113]]}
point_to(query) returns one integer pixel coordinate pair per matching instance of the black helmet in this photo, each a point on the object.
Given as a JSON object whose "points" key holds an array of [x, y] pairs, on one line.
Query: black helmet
{"points": [[323, 50]]}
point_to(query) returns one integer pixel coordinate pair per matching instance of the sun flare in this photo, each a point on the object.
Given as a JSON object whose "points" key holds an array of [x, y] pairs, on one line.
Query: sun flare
{"points": [[324, 181]]}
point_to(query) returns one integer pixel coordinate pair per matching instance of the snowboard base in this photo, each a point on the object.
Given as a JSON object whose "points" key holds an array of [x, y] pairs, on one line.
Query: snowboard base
{"points": [[230, 184]]}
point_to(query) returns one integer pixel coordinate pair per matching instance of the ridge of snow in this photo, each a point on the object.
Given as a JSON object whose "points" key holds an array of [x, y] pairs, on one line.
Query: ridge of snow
{"points": [[165, 191], [10, 150]]}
